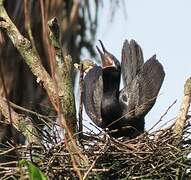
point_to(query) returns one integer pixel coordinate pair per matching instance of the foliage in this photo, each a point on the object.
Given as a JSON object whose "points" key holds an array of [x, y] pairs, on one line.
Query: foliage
{"points": [[34, 173]]}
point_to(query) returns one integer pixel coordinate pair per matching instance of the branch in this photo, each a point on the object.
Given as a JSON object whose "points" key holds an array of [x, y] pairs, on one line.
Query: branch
{"points": [[30, 56], [63, 69], [81, 84], [64, 88], [23, 125], [182, 116], [83, 67], [63, 76]]}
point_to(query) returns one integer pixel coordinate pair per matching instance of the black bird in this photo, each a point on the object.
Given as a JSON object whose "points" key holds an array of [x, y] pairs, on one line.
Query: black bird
{"points": [[122, 112]]}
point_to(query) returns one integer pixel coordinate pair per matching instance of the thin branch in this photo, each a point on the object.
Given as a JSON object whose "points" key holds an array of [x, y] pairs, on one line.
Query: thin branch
{"points": [[80, 128], [164, 114], [96, 158], [28, 24]]}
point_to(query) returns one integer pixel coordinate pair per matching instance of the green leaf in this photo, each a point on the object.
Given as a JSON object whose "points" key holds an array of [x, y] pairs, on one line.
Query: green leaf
{"points": [[34, 172]]}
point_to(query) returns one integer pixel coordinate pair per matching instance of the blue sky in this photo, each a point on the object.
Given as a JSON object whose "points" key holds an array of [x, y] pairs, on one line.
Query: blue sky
{"points": [[161, 27]]}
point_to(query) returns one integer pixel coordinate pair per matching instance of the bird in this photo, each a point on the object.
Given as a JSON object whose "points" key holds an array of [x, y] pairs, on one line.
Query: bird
{"points": [[123, 111]]}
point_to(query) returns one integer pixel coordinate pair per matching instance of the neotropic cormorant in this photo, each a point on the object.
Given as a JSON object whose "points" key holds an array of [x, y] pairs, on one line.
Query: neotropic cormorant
{"points": [[122, 112]]}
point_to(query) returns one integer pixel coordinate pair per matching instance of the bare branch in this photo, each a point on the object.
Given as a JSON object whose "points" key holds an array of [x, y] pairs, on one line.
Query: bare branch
{"points": [[23, 125], [182, 116], [63, 77]]}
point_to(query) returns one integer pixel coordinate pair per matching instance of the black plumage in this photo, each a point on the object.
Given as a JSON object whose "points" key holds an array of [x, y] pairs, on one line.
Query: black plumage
{"points": [[122, 112]]}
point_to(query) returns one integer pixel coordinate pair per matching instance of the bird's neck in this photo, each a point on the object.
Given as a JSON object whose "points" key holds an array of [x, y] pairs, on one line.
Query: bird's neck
{"points": [[111, 82], [110, 109]]}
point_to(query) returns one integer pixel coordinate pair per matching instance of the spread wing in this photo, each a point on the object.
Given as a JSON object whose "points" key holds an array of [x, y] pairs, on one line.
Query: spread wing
{"points": [[93, 92], [131, 61], [139, 96], [150, 80]]}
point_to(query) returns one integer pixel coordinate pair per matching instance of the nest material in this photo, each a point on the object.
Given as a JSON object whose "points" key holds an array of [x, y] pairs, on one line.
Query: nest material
{"points": [[149, 156]]}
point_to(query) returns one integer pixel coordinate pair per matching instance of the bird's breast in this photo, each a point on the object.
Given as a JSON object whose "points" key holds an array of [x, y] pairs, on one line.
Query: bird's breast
{"points": [[110, 109]]}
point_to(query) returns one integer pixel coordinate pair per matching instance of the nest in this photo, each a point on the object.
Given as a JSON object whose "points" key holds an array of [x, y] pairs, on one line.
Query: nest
{"points": [[149, 156]]}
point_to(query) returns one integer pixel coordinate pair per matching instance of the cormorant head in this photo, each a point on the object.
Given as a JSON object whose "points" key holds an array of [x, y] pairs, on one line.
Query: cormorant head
{"points": [[108, 59]]}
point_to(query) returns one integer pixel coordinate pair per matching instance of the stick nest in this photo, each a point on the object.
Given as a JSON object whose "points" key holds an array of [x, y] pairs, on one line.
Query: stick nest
{"points": [[149, 156]]}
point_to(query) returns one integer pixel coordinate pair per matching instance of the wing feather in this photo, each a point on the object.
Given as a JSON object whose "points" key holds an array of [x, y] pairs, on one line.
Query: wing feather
{"points": [[131, 61], [93, 92], [139, 96], [150, 81]]}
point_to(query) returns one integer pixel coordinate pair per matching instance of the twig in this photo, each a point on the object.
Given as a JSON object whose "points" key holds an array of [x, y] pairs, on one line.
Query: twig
{"points": [[7, 151], [94, 162], [31, 112], [80, 130], [165, 113], [28, 23]]}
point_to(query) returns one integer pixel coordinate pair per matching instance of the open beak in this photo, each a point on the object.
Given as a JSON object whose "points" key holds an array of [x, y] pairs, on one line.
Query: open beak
{"points": [[106, 58]]}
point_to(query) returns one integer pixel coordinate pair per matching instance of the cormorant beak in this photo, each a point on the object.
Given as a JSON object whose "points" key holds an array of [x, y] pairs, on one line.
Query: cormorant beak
{"points": [[106, 57]]}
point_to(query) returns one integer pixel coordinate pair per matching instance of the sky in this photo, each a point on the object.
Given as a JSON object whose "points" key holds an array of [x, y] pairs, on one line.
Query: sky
{"points": [[161, 27]]}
